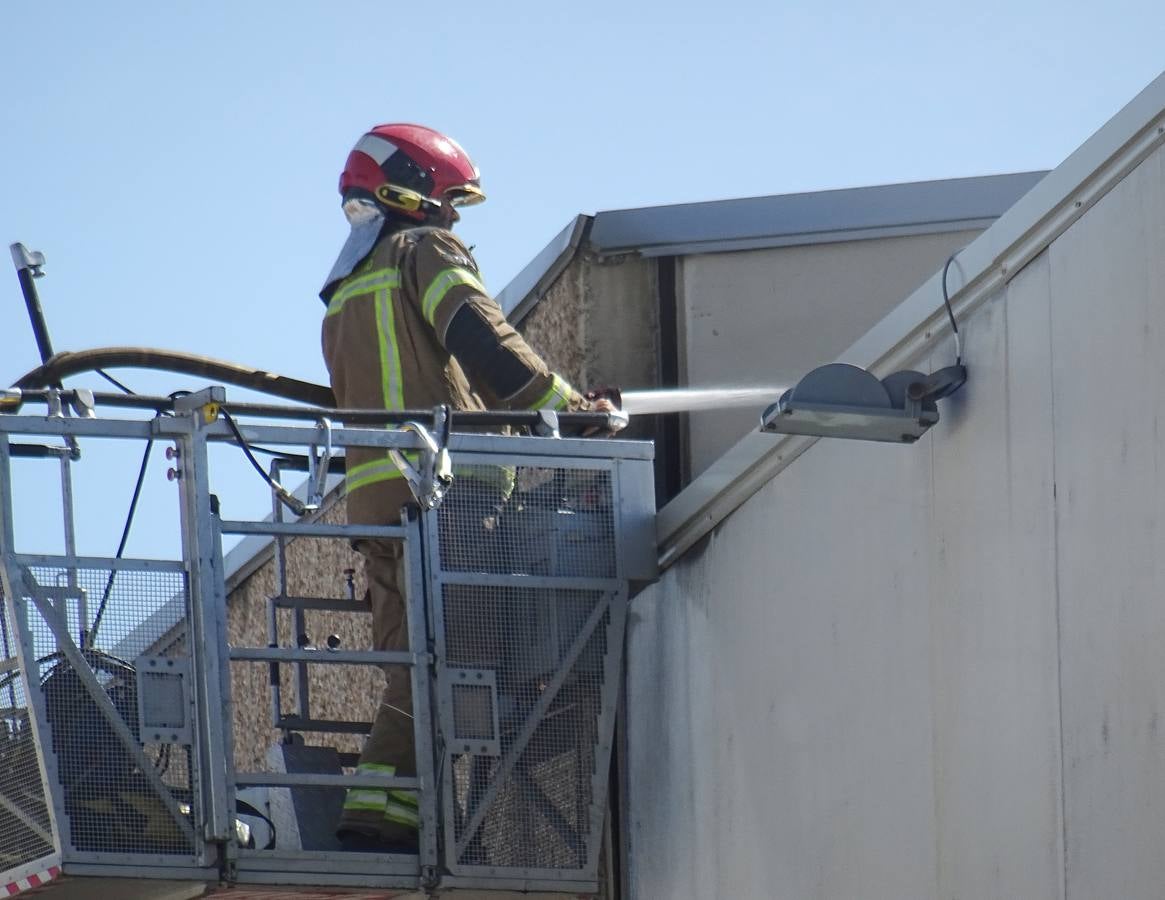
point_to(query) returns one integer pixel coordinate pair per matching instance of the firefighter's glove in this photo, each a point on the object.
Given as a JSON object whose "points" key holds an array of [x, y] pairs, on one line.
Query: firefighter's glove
{"points": [[606, 400]]}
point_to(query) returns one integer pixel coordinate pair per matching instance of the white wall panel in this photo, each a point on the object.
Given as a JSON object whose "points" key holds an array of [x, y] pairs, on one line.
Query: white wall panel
{"points": [[993, 641], [871, 681], [1108, 316], [766, 317], [804, 695], [938, 670]]}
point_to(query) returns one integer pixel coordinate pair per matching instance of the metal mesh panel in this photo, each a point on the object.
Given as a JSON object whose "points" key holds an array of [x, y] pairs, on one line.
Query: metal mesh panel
{"points": [[473, 713], [530, 805], [164, 706], [25, 829], [111, 797], [532, 520]]}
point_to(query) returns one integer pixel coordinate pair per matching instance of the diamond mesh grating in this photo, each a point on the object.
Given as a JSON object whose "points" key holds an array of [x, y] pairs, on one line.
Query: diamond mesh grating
{"points": [[110, 800], [25, 829], [541, 814]]}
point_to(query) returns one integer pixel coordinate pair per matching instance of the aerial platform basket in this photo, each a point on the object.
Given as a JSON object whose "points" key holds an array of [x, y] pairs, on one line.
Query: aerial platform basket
{"points": [[120, 693]]}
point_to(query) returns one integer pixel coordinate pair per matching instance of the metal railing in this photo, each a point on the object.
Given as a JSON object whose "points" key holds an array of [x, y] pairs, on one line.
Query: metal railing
{"points": [[119, 688]]}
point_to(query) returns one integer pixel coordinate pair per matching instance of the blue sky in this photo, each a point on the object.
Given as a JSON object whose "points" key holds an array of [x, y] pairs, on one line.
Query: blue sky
{"points": [[177, 162]]}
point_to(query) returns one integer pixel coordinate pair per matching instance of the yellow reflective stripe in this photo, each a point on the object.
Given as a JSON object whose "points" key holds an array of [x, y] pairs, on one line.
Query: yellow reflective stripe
{"points": [[558, 389], [365, 284], [374, 799], [390, 374], [501, 477], [377, 799], [375, 769], [401, 814], [446, 280], [372, 472]]}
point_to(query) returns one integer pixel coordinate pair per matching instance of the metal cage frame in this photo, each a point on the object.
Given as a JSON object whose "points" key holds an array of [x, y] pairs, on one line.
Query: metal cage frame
{"points": [[196, 677]]}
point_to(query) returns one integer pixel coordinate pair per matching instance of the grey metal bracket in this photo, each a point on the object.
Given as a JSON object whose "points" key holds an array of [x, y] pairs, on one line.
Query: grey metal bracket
{"points": [[84, 407], [208, 401], [547, 424], [164, 705], [317, 476], [54, 410], [23, 258], [431, 479], [469, 711]]}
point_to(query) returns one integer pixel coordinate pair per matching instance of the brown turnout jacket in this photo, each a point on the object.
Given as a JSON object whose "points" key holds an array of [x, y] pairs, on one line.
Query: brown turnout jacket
{"points": [[411, 328]]}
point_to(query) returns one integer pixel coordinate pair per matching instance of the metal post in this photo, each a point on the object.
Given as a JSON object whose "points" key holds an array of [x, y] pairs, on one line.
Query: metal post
{"points": [[272, 608], [207, 608], [422, 682], [69, 516], [7, 544], [435, 609], [226, 709]]}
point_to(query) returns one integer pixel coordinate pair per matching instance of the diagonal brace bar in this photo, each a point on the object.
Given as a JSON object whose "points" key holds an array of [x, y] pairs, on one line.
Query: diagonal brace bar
{"points": [[25, 819], [533, 720], [104, 704]]}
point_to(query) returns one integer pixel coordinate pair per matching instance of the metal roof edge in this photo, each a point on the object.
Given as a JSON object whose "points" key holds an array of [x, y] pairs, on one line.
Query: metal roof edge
{"points": [[815, 237], [887, 210], [919, 323], [811, 215], [528, 287]]}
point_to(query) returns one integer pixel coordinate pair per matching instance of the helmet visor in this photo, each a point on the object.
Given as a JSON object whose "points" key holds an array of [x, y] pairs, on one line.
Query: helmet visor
{"points": [[464, 195]]}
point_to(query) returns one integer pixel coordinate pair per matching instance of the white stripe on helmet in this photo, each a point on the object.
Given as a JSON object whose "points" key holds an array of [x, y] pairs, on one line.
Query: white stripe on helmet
{"points": [[376, 147]]}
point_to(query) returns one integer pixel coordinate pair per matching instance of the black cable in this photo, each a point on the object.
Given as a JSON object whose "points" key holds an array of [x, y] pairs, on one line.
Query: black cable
{"points": [[91, 637], [292, 502], [133, 505], [115, 382], [245, 447], [950, 311], [279, 453]]}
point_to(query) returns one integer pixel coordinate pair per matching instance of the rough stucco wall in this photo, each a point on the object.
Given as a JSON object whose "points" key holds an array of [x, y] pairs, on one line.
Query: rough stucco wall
{"points": [[315, 568], [555, 328], [621, 340], [598, 323]]}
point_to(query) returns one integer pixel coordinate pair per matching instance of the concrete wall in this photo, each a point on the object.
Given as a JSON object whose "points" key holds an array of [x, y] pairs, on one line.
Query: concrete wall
{"points": [[936, 670], [766, 317]]}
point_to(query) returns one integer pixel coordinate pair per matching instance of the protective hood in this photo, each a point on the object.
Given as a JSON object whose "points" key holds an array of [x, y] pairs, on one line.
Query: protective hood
{"points": [[367, 220]]}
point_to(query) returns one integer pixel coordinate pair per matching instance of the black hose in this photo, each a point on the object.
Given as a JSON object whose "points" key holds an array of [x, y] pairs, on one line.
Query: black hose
{"points": [[218, 371]]}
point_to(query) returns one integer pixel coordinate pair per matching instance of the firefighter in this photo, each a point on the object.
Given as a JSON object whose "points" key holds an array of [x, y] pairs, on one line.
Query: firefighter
{"points": [[409, 325]]}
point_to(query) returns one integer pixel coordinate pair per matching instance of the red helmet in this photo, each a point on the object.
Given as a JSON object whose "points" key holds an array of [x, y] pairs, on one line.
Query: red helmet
{"points": [[412, 170]]}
